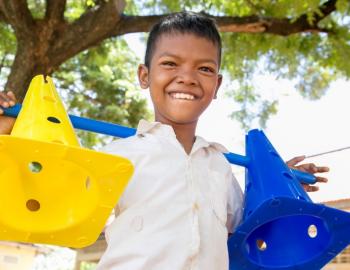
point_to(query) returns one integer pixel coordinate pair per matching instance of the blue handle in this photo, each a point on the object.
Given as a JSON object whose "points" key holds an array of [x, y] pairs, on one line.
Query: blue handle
{"points": [[123, 132]]}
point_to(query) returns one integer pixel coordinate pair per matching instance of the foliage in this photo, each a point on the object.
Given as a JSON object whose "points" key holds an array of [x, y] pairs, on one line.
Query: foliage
{"points": [[87, 266], [7, 51]]}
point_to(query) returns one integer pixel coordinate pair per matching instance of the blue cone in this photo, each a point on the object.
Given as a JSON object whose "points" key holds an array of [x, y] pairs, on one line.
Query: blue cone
{"points": [[282, 228]]}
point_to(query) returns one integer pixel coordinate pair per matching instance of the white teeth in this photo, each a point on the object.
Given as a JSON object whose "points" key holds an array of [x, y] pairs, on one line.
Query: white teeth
{"points": [[182, 96]]}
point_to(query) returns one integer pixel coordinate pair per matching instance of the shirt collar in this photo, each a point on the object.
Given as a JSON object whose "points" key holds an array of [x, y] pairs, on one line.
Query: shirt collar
{"points": [[154, 128], [202, 143], [166, 130]]}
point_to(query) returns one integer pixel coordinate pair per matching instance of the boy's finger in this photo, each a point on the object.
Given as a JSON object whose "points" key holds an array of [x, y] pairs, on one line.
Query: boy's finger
{"points": [[4, 97], [7, 99], [295, 160], [12, 97], [4, 102], [307, 167], [309, 188], [322, 169], [312, 188], [310, 167], [321, 179]]}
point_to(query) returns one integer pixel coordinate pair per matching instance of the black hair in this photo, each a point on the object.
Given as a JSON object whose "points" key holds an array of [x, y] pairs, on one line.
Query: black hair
{"points": [[185, 23]]}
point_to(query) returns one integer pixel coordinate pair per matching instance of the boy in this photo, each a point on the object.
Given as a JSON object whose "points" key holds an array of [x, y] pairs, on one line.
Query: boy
{"points": [[183, 200]]}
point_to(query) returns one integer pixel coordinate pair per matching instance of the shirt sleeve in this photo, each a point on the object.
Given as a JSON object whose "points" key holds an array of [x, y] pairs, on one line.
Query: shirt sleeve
{"points": [[234, 203]]}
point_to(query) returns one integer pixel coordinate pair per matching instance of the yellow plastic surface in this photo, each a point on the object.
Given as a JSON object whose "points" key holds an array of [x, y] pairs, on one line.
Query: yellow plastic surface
{"points": [[43, 116], [55, 192]]}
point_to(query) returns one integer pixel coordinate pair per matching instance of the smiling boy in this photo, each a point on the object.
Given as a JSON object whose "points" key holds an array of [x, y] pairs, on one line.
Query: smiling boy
{"points": [[183, 200]]}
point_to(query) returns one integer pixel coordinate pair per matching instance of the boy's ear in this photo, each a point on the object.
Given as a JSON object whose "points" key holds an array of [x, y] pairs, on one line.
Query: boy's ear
{"points": [[218, 85], [142, 73]]}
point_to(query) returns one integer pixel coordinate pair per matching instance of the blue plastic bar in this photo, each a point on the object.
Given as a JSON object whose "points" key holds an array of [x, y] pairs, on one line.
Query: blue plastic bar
{"points": [[85, 124], [123, 132], [237, 159]]}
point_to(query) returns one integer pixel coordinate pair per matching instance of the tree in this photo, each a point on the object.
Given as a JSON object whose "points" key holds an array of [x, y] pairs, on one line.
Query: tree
{"points": [[304, 40]]}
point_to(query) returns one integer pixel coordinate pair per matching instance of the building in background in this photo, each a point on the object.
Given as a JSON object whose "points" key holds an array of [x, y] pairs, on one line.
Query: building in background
{"points": [[342, 261], [19, 256]]}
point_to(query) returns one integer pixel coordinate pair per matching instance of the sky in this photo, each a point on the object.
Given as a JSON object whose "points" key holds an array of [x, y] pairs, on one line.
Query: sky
{"points": [[301, 127]]}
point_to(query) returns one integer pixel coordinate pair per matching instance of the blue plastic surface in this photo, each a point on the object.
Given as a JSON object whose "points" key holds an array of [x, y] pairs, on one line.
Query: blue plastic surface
{"points": [[282, 228], [123, 132]]}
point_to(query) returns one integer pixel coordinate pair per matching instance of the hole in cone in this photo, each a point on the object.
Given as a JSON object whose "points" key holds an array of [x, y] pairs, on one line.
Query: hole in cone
{"points": [[35, 167], [287, 175], [312, 231], [33, 205], [261, 244], [53, 119]]}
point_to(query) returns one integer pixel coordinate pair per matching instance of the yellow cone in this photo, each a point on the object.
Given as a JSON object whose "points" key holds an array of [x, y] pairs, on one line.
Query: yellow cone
{"points": [[52, 190]]}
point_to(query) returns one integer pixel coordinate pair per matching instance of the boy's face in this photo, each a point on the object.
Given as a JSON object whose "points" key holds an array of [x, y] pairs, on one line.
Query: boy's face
{"points": [[183, 77]]}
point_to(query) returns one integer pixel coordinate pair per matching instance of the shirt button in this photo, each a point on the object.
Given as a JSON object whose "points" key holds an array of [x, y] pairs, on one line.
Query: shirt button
{"points": [[137, 223]]}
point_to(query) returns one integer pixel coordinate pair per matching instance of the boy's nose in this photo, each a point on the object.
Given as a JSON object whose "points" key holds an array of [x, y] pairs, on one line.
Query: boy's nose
{"points": [[187, 77]]}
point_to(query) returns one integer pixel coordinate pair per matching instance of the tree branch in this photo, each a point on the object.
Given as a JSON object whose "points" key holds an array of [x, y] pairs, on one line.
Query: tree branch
{"points": [[18, 16], [302, 24], [135, 24], [55, 10], [90, 29], [247, 24], [326, 9]]}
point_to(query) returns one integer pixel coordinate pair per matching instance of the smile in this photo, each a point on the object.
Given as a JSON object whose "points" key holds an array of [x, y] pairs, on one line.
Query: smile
{"points": [[182, 96]]}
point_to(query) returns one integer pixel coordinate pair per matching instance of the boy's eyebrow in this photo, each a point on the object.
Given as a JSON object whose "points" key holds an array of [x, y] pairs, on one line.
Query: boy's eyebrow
{"points": [[201, 60]]}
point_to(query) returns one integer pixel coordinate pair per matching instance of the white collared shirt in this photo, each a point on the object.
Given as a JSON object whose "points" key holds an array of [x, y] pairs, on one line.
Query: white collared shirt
{"points": [[177, 209]]}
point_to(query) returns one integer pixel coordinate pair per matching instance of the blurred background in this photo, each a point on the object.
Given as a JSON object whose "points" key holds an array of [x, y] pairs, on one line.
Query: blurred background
{"points": [[286, 70]]}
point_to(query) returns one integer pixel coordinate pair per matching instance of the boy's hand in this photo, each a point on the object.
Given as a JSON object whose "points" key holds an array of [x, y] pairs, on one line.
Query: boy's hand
{"points": [[6, 123], [309, 168]]}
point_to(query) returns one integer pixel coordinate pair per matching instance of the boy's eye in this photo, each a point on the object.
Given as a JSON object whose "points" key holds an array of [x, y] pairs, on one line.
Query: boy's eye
{"points": [[168, 63], [207, 69]]}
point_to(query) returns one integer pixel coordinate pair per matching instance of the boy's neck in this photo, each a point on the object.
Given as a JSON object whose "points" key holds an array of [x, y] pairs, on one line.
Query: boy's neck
{"points": [[185, 134]]}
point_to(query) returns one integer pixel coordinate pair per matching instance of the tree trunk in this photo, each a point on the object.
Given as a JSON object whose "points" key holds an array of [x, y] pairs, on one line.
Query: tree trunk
{"points": [[22, 71]]}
